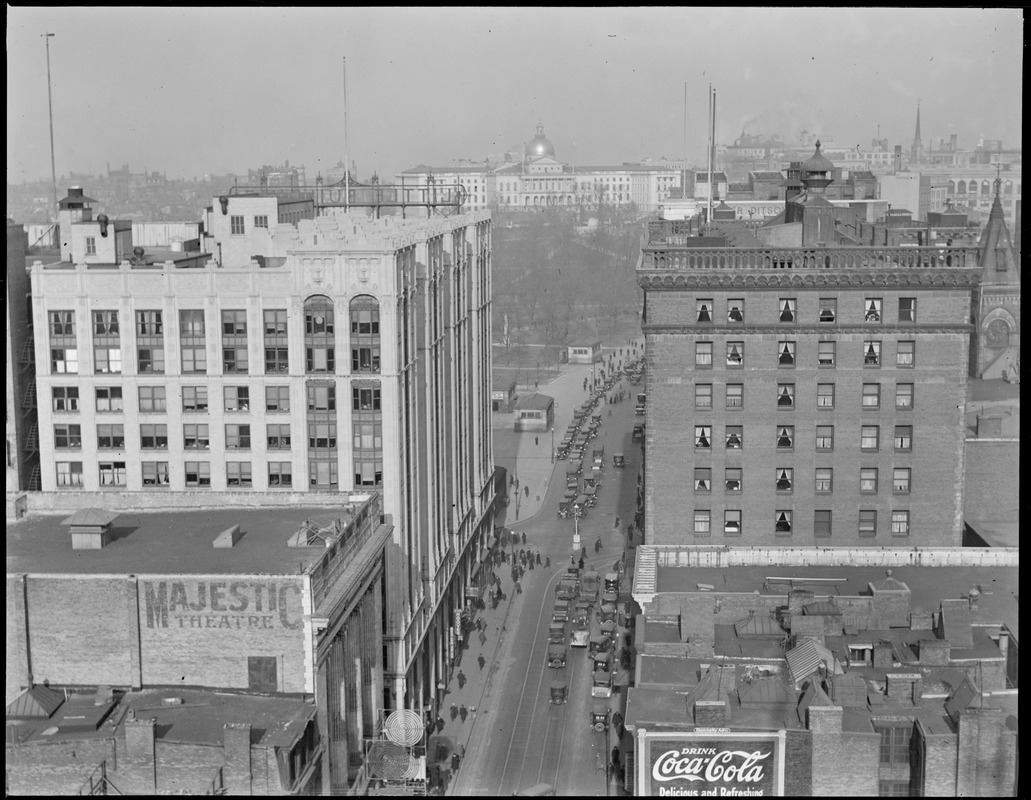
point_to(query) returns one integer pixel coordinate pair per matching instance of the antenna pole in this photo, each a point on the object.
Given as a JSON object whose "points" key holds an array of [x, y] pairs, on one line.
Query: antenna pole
{"points": [[50, 105], [683, 185], [347, 148], [712, 106]]}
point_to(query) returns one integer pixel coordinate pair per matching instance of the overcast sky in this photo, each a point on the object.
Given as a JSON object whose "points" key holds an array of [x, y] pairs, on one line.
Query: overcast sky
{"points": [[197, 91]]}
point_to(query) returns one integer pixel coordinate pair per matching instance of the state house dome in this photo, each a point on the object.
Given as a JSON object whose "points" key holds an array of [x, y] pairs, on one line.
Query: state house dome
{"points": [[539, 145]]}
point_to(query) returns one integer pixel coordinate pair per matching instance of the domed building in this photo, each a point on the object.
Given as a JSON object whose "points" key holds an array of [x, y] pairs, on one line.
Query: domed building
{"points": [[539, 145]]}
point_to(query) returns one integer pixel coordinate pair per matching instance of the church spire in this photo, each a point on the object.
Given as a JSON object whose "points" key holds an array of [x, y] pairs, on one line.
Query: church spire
{"points": [[995, 250], [917, 150]]}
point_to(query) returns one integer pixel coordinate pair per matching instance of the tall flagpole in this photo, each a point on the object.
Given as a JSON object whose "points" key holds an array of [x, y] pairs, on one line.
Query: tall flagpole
{"points": [[50, 104], [347, 149], [712, 102], [683, 184]]}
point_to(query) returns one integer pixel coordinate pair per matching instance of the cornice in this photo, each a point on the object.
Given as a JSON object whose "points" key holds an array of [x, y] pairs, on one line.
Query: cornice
{"points": [[789, 331], [659, 280]]}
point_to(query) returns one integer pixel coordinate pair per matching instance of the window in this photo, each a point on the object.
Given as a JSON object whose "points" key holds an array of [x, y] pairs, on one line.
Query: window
{"points": [[825, 395], [704, 310], [148, 323], [785, 437], [151, 359], [191, 323], [824, 437], [735, 437], [277, 398], [319, 320], [785, 479], [195, 358], [869, 437], [109, 398], [322, 435], [825, 354], [62, 323], [195, 437], [368, 473], [785, 395], [903, 438], [234, 323], [66, 398], [278, 436], [867, 523], [735, 354], [275, 322], [280, 473], [904, 395], [895, 744], [732, 479], [110, 437], [237, 398], [871, 395], [236, 225], [238, 473], [872, 353], [195, 398], [828, 309], [107, 359], [900, 480], [787, 354], [873, 309], [703, 395], [368, 436], [782, 522], [703, 354], [893, 789], [735, 395], [907, 309], [91, 245], [69, 473], [324, 473], [105, 323], [322, 398], [736, 310], [365, 320], [322, 359], [153, 437], [703, 436], [261, 221], [67, 436], [238, 437], [822, 524], [198, 474], [868, 480], [702, 479], [112, 473], [152, 398], [905, 356], [64, 360], [787, 309], [702, 522], [155, 473], [732, 523], [824, 480], [277, 360], [234, 359]]}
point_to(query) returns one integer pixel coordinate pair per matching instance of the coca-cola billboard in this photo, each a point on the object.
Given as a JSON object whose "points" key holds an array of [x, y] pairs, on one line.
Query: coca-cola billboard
{"points": [[710, 763]]}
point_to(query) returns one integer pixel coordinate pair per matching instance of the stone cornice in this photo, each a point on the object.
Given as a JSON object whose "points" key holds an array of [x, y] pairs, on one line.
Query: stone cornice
{"points": [[790, 331], [659, 280]]}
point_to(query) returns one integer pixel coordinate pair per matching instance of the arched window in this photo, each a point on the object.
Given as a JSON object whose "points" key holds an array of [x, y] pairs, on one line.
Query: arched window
{"points": [[1007, 187], [961, 187]]}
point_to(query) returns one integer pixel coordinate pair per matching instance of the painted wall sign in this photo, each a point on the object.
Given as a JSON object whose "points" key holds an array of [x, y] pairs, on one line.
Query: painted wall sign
{"points": [[213, 604]]}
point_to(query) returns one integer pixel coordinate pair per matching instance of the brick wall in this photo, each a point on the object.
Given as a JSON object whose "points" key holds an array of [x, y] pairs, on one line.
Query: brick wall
{"points": [[939, 767], [992, 481], [845, 764], [986, 764], [55, 768], [798, 763]]}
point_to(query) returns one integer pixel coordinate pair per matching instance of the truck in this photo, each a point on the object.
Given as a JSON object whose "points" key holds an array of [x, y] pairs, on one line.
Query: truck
{"points": [[599, 454], [639, 408]]}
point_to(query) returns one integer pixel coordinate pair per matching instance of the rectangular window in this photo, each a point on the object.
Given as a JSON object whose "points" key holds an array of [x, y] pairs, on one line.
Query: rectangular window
{"points": [[825, 395], [825, 354], [67, 436], [785, 479], [702, 522], [234, 359], [871, 395], [900, 478], [280, 473], [261, 221], [824, 480], [112, 473], [152, 398], [91, 245], [64, 360], [66, 398], [324, 473], [736, 310], [277, 398], [322, 398], [234, 323], [148, 323], [828, 309], [824, 437], [702, 479], [318, 320], [153, 437], [277, 360], [365, 322], [732, 479], [868, 480], [873, 309], [703, 354], [822, 524], [62, 323], [155, 473], [735, 395], [732, 522], [907, 309], [322, 435], [195, 437], [787, 309], [109, 398], [368, 436], [785, 395], [782, 522], [151, 359], [195, 398], [904, 395], [323, 359], [237, 398], [191, 322], [195, 358], [275, 322], [735, 437], [735, 354], [703, 436], [703, 395], [903, 438], [236, 225], [238, 473], [895, 744], [368, 473], [905, 355], [238, 437], [69, 473], [871, 353], [867, 523], [107, 360], [105, 323], [198, 474], [110, 437], [703, 308], [278, 436], [869, 438], [786, 351], [785, 437]]}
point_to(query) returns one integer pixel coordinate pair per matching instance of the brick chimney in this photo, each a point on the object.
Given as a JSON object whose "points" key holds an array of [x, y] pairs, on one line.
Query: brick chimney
{"points": [[236, 752], [824, 719], [904, 687], [139, 749], [882, 655], [934, 652], [710, 713]]}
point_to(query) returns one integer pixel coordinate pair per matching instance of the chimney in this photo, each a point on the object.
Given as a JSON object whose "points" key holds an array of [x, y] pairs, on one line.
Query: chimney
{"points": [[236, 754], [934, 652], [882, 655], [139, 748], [904, 687], [710, 713], [824, 719]]}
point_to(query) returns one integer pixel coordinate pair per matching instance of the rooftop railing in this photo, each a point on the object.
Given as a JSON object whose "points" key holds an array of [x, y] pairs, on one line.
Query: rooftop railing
{"points": [[344, 550]]}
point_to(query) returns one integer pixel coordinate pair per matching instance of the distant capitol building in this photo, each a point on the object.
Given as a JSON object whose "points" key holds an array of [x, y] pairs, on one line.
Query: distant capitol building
{"points": [[539, 180]]}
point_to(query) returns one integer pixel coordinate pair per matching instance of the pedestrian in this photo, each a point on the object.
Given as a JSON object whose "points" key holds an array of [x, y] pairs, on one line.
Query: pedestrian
{"points": [[518, 587], [538, 558], [583, 553], [480, 659], [461, 747], [572, 561], [440, 723], [530, 563], [581, 563], [483, 641], [461, 680], [455, 759], [463, 712], [524, 532], [536, 441], [454, 712], [617, 521], [547, 562], [527, 490]]}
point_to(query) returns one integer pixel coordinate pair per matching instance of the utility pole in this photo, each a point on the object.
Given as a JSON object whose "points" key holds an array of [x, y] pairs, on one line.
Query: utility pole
{"points": [[50, 104]]}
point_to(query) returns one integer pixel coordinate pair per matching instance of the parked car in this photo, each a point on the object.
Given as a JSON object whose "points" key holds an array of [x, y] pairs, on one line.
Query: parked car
{"points": [[580, 637], [556, 656]]}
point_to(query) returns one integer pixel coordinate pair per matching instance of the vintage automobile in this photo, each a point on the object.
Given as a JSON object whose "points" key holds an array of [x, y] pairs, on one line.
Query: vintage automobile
{"points": [[557, 633], [582, 613], [618, 460], [601, 684], [556, 656], [638, 434], [600, 643], [608, 612], [565, 508], [560, 612], [566, 590], [580, 637], [608, 598], [611, 581], [579, 507], [600, 716], [558, 692], [589, 583], [591, 493], [602, 661]]}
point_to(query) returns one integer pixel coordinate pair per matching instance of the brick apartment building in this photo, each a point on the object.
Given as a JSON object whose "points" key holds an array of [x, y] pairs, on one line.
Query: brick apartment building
{"points": [[801, 392]]}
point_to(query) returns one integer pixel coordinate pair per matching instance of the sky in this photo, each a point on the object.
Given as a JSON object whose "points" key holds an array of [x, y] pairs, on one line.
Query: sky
{"points": [[197, 91]]}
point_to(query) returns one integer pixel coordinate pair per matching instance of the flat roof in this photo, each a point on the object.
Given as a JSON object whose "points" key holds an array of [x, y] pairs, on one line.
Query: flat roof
{"points": [[540, 402], [171, 542]]}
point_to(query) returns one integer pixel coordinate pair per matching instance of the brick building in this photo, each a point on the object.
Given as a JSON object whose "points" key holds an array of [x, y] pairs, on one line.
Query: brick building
{"points": [[20, 427], [806, 392]]}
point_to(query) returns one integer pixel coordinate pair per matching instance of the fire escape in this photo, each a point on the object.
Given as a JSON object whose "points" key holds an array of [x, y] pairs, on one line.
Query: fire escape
{"points": [[30, 446]]}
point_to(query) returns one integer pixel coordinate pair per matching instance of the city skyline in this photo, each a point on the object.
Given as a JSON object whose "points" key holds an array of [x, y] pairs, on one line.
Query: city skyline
{"points": [[204, 82]]}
